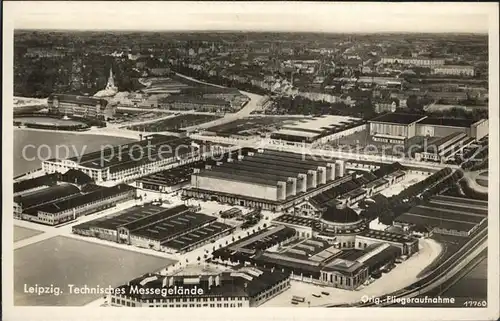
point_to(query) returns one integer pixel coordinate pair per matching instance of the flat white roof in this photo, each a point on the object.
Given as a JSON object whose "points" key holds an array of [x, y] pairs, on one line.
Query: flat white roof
{"points": [[317, 122], [296, 133]]}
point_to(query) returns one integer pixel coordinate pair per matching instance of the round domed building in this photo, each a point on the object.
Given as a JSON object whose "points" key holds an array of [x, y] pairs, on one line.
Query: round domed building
{"points": [[340, 219]]}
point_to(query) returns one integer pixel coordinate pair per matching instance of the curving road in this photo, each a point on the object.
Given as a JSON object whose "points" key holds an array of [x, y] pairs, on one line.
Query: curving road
{"points": [[251, 106], [471, 181]]}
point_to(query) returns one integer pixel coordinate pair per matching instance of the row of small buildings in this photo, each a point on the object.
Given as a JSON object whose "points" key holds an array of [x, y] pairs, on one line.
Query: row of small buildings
{"points": [[315, 259], [175, 230]]}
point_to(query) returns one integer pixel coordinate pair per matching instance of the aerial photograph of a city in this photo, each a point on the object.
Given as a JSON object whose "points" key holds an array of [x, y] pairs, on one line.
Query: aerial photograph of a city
{"points": [[234, 167]]}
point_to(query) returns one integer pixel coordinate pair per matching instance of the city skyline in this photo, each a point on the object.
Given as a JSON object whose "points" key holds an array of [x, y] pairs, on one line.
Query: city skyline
{"points": [[259, 17]]}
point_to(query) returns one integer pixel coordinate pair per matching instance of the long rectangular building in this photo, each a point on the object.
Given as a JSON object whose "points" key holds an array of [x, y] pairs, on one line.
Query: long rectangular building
{"points": [[398, 128], [319, 129], [175, 229], [37, 183], [77, 106], [241, 287], [446, 215], [69, 208], [44, 196], [197, 238], [441, 127], [130, 161], [266, 179]]}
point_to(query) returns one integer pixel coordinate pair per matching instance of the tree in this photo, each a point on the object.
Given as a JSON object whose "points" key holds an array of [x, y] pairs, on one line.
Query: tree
{"points": [[412, 102], [387, 217]]}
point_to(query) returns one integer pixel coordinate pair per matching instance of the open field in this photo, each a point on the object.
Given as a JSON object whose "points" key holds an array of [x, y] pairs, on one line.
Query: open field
{"points": [[60, 261], [21, 233]]}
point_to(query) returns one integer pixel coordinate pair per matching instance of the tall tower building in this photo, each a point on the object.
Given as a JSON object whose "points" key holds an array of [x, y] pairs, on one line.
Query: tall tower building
{"points": [[111, 89], [111, 81]]}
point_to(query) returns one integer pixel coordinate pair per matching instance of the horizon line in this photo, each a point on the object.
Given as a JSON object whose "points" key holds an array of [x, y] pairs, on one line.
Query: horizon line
{"points": [[484, 33]]}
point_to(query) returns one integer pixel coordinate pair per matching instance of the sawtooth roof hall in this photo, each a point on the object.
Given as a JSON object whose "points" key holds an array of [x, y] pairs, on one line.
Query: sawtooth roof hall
{"points": [[266, 178]]}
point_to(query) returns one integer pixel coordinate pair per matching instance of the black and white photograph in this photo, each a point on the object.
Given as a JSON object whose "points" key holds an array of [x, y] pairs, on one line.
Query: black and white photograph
{"points": [[223, 155]]}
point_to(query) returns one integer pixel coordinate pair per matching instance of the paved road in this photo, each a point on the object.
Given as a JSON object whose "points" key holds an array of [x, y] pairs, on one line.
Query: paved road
{"points": [[471, 181], [244, 112]]}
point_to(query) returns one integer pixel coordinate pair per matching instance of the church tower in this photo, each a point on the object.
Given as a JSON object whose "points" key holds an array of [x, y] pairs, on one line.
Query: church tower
{"points": [[111, 81]]}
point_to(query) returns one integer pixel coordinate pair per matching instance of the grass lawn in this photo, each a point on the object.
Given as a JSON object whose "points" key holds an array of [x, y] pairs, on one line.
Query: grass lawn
{"points": [[61, 261], [21, 233]]}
